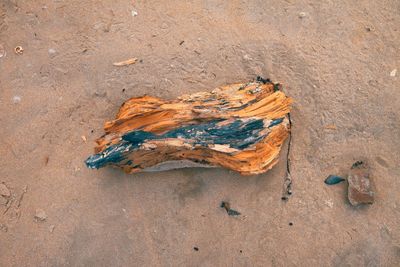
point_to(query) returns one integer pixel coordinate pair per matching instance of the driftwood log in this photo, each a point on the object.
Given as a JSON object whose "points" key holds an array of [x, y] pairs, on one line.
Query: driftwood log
{"points": [[239, 126]]}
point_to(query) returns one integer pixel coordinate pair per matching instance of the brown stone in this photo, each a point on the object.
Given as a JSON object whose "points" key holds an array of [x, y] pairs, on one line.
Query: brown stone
{"points": [[360, 188]]}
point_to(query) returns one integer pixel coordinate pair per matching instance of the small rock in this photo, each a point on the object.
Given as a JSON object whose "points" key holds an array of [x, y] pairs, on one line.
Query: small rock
{"points": [[84, 138], [360, 189], [52, 51], [16, 99], [247, 57], [232, 212], [302, 15], [333, 179], [227, 207], [329, 203], [393, 73], [40, 215], [2, 51], [100, 93], [51, 228], [4, 191], [134, 13]]}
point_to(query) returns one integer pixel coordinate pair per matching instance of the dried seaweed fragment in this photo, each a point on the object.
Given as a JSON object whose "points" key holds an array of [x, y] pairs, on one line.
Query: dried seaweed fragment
{"points": [[239, 126]]}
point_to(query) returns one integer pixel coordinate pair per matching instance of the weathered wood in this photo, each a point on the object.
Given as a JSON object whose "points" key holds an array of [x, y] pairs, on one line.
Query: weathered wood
{"points": [[240, 126]]}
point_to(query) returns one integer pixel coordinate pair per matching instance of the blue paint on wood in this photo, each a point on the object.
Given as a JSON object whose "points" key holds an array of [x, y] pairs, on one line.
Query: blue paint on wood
{"points": [[239, 134]]}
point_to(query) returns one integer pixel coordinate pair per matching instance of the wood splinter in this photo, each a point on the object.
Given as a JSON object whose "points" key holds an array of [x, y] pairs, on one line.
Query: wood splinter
{"points": [[239, 126]]}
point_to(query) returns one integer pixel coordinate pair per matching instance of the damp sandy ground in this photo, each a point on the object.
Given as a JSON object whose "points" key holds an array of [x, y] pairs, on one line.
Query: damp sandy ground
{"points": [[335, 60]]}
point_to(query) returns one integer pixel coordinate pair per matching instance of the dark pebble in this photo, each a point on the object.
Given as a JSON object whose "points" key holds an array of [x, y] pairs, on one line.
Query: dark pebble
{"points": [[333, 179]]}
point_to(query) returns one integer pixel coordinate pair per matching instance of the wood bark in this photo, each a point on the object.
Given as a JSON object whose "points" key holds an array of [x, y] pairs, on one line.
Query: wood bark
{"points": [[238, 126]]}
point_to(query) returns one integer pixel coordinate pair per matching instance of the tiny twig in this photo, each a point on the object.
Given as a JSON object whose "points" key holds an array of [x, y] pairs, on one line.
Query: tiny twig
{"points": [[287, 184], [8, 206], [22, 196]]}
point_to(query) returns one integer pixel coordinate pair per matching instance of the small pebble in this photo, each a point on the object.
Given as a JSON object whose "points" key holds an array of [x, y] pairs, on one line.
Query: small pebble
{"points": [[329, 203], [52, 51], [40, 215], [134, 13], [16, 99], [393, 73], [232, 212], [302, 15], [2, 51], [334, 179], [84, 138], [196, 248], [247, 57], [51, 228], [4, 191]]}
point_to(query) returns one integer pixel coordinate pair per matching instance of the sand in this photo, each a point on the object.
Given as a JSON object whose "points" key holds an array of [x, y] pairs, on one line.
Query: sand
{"points": [[335, 58]]}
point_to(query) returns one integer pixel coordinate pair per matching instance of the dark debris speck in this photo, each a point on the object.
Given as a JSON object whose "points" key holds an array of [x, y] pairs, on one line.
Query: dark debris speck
{"points": [[232, 212], [228, 209], [277, 87], [357, 163], [261, 79]]}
